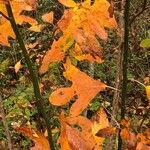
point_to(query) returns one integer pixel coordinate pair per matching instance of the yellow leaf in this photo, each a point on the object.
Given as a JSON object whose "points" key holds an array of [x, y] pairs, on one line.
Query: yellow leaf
{"points": [[18, 66], [100, 121], [68, 3], [148, 92]]}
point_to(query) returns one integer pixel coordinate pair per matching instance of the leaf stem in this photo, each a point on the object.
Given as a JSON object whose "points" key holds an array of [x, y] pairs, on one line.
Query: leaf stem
{"points": [[33, 74], [137, 82]]}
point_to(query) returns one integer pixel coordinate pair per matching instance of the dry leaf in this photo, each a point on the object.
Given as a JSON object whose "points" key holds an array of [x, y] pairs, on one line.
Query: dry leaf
{"points": [[106, 132], [18, 66]]}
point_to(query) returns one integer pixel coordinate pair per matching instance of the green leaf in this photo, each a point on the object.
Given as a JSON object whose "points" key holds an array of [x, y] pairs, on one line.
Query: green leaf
{"points": [[148, 32], [4, 65], [145, 43]]}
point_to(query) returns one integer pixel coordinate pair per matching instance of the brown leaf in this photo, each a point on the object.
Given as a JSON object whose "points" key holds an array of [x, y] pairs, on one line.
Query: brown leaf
{"points": [[106, 132], [74, 139]]}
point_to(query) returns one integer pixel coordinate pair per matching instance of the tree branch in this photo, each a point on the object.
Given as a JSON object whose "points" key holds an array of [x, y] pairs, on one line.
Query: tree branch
{"points": [[33, 74], [125, 64]]}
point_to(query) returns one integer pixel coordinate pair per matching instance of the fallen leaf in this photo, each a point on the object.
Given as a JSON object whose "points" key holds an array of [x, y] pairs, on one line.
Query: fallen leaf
{"points": [[18, 66]]}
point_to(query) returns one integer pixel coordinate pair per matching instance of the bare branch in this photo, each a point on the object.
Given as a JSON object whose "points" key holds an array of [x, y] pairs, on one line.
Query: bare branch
{"points": [[7, 133], [140, 12]]}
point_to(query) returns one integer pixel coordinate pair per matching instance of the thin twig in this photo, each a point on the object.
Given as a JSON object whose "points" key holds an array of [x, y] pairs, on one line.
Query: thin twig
{"points": [[1, 13], [113, 118], [7, 133], [144, 117], [110, 87], [140, 12], [137, 82]]}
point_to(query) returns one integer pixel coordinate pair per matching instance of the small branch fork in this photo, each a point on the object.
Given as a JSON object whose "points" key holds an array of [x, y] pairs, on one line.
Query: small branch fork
{"points": [[144, 7]]}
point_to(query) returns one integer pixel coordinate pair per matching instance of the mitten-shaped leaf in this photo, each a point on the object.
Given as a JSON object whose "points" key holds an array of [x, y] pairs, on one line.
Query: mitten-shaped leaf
{"points": [[83, 87]]}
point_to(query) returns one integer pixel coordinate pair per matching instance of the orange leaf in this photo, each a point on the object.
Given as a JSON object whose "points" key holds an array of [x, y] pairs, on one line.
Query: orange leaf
{"points": [[87, 42], [68, 3], [81, 85], [148, 92], [85, 131], [5, 27], [99, 121], [48, 17], [74, 138], [129, 138], [41, 143], [80, 24], [65, 20], [4, 1], [125, 134], [32, 3]]}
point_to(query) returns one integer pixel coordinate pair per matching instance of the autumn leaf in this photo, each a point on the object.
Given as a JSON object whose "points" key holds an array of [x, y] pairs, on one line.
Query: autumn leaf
{"points": [[48, 17], [81, 85], [41, 143], [68, 3], [73, 139], [32, 3], [80, 24], [5, 26], [83, 136], [148, 92], [106, 132], [4, 1], [17, 66], [99, 121]]}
